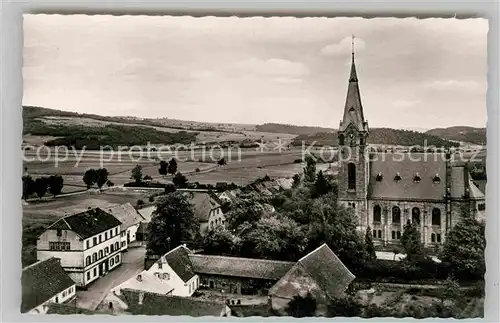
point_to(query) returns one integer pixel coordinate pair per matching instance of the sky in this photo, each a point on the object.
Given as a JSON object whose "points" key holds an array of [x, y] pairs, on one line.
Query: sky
{"points": [[413, 73]]}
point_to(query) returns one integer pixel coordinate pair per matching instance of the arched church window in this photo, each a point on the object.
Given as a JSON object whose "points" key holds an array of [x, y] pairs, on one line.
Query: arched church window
{"points": [[396, 214], [415, 215], [351, 176], [341, 139], [436, 216], [377, 214]]}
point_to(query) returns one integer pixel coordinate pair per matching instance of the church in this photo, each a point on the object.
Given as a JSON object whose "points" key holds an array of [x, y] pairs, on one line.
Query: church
{"points": [[386, 189]]}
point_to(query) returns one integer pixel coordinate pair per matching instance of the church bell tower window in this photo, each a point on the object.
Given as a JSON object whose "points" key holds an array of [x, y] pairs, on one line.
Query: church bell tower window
{"points": [[351, 176]]}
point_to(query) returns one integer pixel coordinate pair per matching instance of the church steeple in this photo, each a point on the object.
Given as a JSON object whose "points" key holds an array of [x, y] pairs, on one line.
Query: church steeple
{"points": [[353, 110]]}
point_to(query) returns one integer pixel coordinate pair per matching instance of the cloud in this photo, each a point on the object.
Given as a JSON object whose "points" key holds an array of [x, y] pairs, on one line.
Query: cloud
{"points": [[273, 67], [288, 80], [405, 103], [455, 85], [343, 47]]}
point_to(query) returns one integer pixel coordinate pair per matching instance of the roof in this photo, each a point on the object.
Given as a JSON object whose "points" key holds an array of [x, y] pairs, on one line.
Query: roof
{"points": [[147, 212], [353, 110], [239, 267], [178, 259], [87, 224], [153, 304], [425, 165], [148, 283], [41, 281], [203, 204], [327, 270], [216, 198], [127, 215]]}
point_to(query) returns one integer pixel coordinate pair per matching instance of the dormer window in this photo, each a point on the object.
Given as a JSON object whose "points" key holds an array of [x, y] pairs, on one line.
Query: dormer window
{"points": [[436, 179], [379, 177], [397, 178], [417, 178]]}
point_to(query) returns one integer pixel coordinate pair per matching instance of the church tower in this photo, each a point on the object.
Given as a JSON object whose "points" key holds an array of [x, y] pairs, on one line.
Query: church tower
{"points": [[354, 173]]}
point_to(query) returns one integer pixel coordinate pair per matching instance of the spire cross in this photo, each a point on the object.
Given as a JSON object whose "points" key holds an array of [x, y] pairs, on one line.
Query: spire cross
{"points": [[352, 46]]}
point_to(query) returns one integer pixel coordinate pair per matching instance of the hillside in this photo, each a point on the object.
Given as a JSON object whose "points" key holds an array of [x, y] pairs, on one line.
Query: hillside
{"points": [[291, 129], [461, 133], [383, 136]]}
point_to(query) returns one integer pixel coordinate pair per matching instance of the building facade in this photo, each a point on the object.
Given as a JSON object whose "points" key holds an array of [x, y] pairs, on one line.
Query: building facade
{"points": [[87, 244], [386, 190], [131, 219], [43, 283]]}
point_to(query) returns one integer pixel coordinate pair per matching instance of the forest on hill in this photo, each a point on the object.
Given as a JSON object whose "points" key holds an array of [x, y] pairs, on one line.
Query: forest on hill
{"points": [[461, 133]]}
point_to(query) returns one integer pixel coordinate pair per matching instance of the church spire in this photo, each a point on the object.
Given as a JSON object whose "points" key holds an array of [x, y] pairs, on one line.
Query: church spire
{"points": [[353, 110]]}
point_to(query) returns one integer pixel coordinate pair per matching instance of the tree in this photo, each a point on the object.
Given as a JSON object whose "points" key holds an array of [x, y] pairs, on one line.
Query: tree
{"points": [[321, 185], [163, 168], [451, 290], [346, 307], [244, 210], [179, 180], [173, 219], [140, 203], [137, 174], [55, 184], [169, 188], [310, 169], [110, 183], [41, 186], [410, 241], [464, 248], [90, 177], [220, 241], [172, 166], [102, 177], [296, 181], [147, 178], [221, 162], [28, 186], [370, 248], [302, 306]]}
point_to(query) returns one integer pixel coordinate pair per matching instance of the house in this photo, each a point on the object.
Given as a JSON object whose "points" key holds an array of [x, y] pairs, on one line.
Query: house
{"points": [[386, 190], [130, 219], [146, 213], [207, 210], [87, 243], [147, 282], [229, 196], [237, 275], [175, 268], [141, 303], [320, 273], [43, 283]]}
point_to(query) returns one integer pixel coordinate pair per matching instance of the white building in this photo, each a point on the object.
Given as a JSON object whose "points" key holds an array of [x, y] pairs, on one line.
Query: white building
{"points": [[175, 268], [87, 243], [207, 210], [130, 219], [45, 282]]}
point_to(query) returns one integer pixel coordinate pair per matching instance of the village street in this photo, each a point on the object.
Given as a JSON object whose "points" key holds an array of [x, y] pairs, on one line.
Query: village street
{"points": [[132, 263]]}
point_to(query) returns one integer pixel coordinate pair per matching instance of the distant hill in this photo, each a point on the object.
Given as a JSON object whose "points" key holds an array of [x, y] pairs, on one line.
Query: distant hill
{"points": [[461, 133], [384, 136], [291, 129]]}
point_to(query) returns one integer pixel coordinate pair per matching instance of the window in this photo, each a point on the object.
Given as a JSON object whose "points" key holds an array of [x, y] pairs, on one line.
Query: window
{"points": [[106, 250], [379, 177], [415, 215], [87, 261], [398, 234], [111, 233], [438, 238], [351, 176], [211, 224], [379, 234], [396, 214], [59, 232], [160, 265], [374, 233], [95, 240], [100, 238], [116, 231], [111, 262], [117, 258], [88, 275], [436, 216], [189, 288], [105, 236], [393, 235], [100, 254], [433, 237], [59, 246], [117, 245], [88, 244], [95, 272], [57, 299], [341, 139], [64, 294], [377, 214], [436, 179], [481, 207], [417, 178], [112, 248], [94, 257], [397, 178], [166, 276], [123, 244]]}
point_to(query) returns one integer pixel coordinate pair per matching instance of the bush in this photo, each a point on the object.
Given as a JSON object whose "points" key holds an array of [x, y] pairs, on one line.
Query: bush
{"points": [[110, 183], [197, 170], [140, 202]]}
